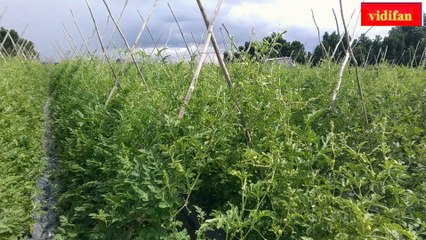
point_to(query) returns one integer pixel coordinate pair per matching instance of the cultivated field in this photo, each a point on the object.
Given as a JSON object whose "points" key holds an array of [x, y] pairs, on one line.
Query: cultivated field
{"points": [[23, 94], [266, 159]]}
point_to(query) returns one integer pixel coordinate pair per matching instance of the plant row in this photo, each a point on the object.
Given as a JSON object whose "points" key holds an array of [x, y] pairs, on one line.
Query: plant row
{"points": [[267, 159], [23, 94]]}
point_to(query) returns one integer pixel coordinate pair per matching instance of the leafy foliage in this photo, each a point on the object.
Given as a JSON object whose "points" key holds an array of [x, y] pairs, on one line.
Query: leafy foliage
{"points": [[13, 45], [23, 93], [403, 46], [274, 46], [128, 169]]}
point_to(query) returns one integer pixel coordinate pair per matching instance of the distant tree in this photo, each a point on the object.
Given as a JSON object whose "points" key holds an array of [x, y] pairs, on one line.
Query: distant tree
{"points": [[395, 46], [329, 41], [298, 52], [12, 45], [362, 49], [317, 55], [376, 48], [283, 48], [272, 46], [424, 19], [8, 38], [405, 45]]}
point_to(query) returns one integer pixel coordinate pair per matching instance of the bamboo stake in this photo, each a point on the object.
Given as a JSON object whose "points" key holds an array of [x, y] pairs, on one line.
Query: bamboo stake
{"points": [[181, 32], [3, 42], [422, 58], [179, 57], [298, 54], [274, 40], [144, 24], [339, 82], [337, 22], [231, 38], [168, 37], [24, 31], [15, 47], [368, 56], [155, 42], [414, 55], [338, 32], [234, 47], [106, 28], [319, 35], [127, 46], [149, 32], [378, 55], [163, 66], [384, 53], [214, 42], [344, 62], [402, 55], [224, 69], [19, 51], [198, 67], [64, 56], [197, 49], [72, 39], [225, 44], [364, 109], [81, 34], [118, 21], [343, 35], [90, 39], [117, 81], [57, 57], [13, 43], [27, 55], [71, 48], [22, 47]]}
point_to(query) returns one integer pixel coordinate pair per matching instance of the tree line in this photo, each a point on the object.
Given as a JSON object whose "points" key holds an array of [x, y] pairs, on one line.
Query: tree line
{"points": [[402, 46], [11, 45]]}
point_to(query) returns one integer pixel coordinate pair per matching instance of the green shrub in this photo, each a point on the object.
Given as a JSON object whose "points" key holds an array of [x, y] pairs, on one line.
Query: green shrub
{"points": [[127, 169], [23, 94]]}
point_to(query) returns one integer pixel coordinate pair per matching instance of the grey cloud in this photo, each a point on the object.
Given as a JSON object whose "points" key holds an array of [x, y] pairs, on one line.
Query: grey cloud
{"points": [[45, 17]]}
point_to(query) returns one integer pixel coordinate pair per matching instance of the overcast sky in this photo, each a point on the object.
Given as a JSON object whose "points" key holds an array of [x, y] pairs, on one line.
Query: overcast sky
{"points": [[245, 19]]}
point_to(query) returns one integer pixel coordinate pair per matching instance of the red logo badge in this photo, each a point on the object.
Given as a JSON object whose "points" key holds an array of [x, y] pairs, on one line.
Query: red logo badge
{"points": [[391, 14]]}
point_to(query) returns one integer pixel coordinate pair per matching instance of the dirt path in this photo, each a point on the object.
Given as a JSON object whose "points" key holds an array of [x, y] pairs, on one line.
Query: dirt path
{"points": [[47, 220]]}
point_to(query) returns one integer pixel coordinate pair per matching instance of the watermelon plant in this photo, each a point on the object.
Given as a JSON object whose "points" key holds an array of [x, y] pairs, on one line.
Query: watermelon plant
{"points": [[23, 94], [266, 159], [129, 169]]}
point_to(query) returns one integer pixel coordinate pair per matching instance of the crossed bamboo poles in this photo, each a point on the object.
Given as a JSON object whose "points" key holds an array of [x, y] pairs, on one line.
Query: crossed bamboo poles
{"points": [[201, 52]]}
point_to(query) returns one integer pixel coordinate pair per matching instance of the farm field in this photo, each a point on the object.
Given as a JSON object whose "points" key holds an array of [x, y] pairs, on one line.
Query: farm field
{"points": [[286, 167], [23, 94]]}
